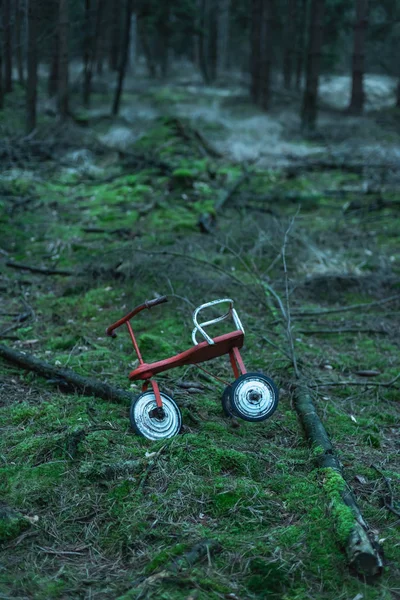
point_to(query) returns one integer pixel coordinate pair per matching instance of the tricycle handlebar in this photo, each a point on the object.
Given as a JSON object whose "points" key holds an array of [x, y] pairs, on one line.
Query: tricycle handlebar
{"points": [[148, 304]]}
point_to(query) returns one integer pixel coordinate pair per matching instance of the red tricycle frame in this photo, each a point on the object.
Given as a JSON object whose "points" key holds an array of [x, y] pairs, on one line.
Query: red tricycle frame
{"points": [[155, 415], [229, 343]]}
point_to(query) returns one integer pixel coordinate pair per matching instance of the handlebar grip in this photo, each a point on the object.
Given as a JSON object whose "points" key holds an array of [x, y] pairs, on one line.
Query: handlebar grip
{"points": [[160, 300]]}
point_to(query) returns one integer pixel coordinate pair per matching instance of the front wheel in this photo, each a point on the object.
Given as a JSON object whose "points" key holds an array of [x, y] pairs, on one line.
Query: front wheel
{"points": [[253, 397], [153, 423]]}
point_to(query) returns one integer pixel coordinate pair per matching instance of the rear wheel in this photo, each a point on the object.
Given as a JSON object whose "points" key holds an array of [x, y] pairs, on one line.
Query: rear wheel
{"points": [[152, 422], [226, 402], [253, 397]]}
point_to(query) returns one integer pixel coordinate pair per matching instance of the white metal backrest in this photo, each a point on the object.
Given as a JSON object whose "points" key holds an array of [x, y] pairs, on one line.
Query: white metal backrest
{"points": [[198, 327]]}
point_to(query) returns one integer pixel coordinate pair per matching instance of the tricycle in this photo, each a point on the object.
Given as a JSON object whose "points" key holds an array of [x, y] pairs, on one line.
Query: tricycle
{"points": [[155, 415]]}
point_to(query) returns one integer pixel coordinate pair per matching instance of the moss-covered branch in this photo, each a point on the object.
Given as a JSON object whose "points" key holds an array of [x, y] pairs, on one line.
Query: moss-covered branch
{"points": [[66, 377], [353, 532]]}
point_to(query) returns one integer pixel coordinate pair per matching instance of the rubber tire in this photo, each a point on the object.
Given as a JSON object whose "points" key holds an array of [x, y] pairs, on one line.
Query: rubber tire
{"points": [[236, 409], [164, 397], [226, 403]]}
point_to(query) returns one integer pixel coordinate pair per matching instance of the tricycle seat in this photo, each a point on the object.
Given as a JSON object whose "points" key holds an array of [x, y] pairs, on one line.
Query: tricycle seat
{"points": [[197, 354]]}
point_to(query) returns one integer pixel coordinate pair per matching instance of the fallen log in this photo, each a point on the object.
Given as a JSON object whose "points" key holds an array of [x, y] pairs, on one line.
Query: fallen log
{"points": [[66, 377], [362, 549]]}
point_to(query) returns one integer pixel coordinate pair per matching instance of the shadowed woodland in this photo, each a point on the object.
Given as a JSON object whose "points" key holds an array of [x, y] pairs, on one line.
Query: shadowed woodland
{"points": [[200, 149]]}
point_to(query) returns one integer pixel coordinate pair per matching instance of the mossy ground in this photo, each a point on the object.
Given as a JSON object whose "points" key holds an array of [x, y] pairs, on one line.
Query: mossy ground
{"points": [[250, 486]]}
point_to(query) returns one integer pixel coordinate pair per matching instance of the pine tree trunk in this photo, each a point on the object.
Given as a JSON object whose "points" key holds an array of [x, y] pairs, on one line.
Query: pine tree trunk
{"points": [[1, 65], [63, 65], [115, 34], [360, 30], [213, 10], [289, 49], [266, 55], [52, 84], [99, 38], [223, 34], [124, 57], [164, 37], [300, 40], [18, 41], [310, 96], [7, 45], [147, 50], [87, 58], [255, 58], [133, 44], [203, 41], [31, 88]]}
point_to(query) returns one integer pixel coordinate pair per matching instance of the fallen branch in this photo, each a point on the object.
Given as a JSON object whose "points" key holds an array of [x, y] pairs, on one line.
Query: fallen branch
{"points": [[362, 549], [352, 531], [41, 270], [366, 305], [85, 385]]}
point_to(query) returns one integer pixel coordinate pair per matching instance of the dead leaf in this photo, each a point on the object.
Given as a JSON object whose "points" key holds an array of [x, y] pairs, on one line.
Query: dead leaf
{"points": [[360, 479]]}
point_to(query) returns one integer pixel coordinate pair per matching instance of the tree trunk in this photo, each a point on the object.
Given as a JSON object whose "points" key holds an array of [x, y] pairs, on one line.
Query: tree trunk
{"points": [[266, 54], [360, 30], [203, 39], [255, 66], [18, 41], [7, 45], [223, 34], [124, 57], [99, 37], [1, 65], [63, 63], [87, 47], [115, 36], [300, 40], [213, 10], [310, 96], [52, 84], [31, 88], [133, 43], [398, 95], [92, 46], [289, 49], [164, 32], [147, 50]]}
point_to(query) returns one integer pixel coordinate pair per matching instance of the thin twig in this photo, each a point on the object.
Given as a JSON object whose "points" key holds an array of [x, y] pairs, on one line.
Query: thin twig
{"points": [[288, 317], [281, 350], [389, 505], [360, 383], [344, 330], [200, 261]]}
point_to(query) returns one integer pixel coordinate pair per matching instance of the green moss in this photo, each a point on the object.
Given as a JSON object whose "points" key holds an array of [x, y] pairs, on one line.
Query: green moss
{"points": [[164, 557], [11, 527], [334, 484]]}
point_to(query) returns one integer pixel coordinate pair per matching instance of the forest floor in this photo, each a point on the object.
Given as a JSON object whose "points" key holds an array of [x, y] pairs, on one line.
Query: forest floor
{"points": [[100, 512]]}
